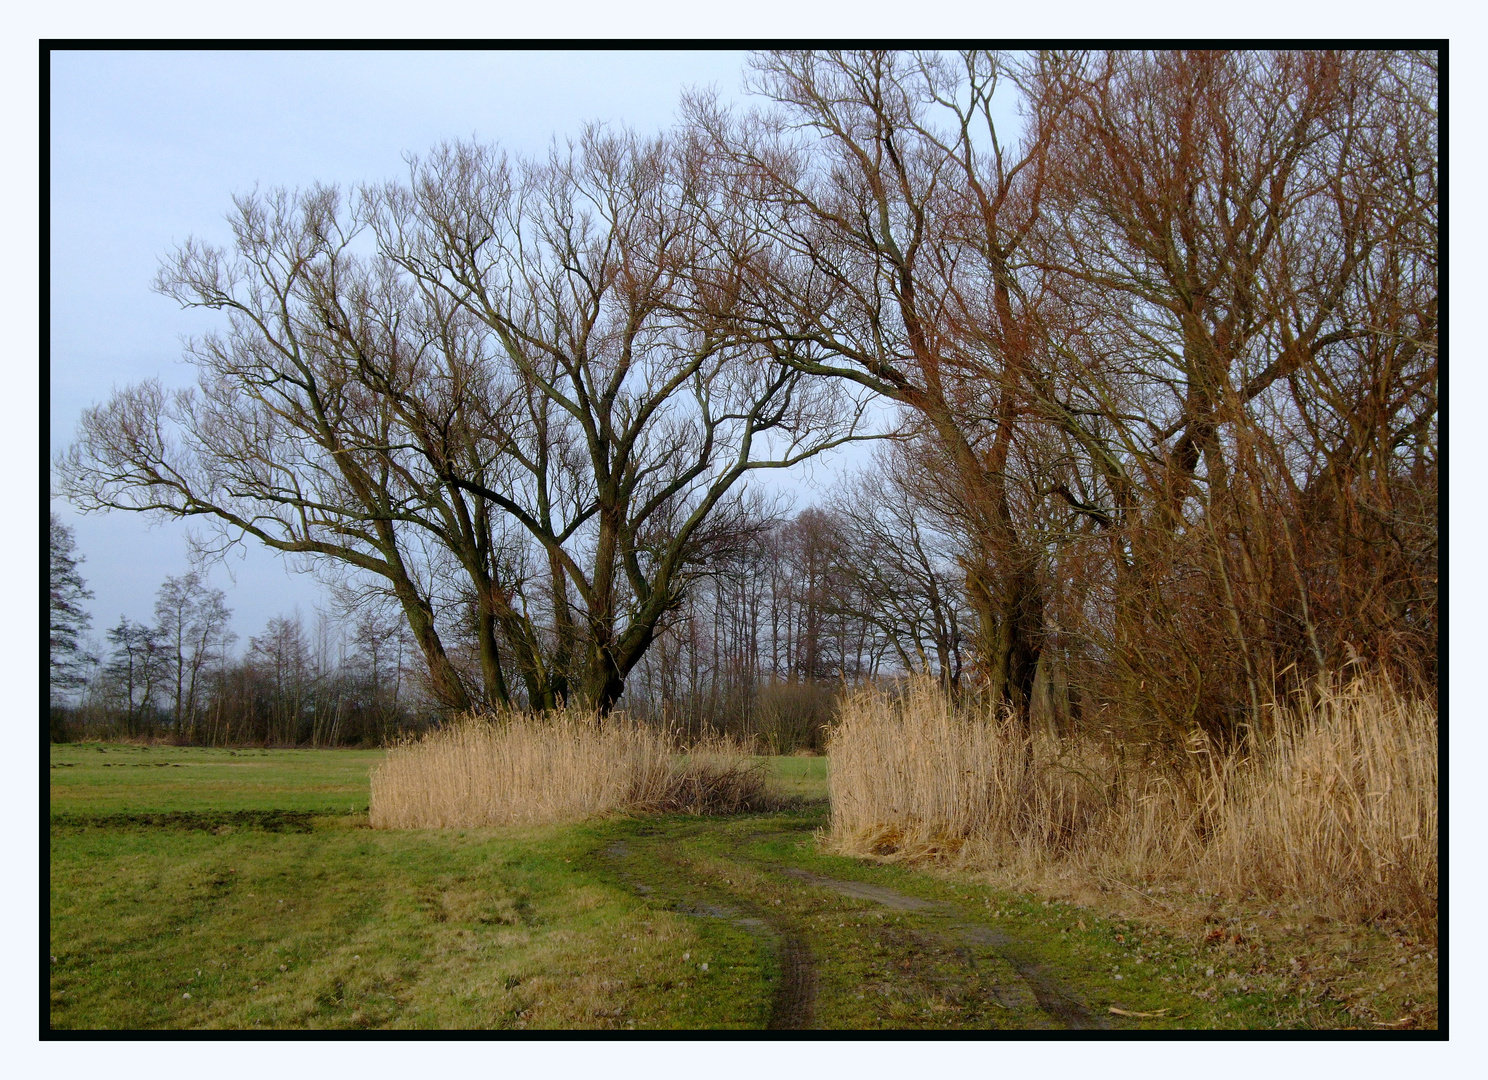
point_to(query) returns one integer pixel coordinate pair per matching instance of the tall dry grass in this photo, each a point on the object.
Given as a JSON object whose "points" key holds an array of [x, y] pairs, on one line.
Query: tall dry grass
{"points": [[909, 775], [1340, 801], [515, 768], [1335, 806]]}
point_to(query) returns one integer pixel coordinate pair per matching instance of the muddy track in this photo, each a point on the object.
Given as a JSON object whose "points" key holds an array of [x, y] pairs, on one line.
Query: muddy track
{"points": [[794, 993], [1057, 1000]]}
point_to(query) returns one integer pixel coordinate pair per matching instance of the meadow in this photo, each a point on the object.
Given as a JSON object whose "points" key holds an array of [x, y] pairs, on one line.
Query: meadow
{"points": [[245, 890]]}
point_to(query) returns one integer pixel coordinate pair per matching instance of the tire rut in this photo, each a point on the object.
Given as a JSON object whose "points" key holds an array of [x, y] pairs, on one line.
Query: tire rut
{"points": [[794, 994], [793, 997], [1053, 997]]}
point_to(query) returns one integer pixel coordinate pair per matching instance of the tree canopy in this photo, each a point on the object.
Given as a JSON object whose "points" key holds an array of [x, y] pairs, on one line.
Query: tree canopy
{"points": [[1163, 361]]}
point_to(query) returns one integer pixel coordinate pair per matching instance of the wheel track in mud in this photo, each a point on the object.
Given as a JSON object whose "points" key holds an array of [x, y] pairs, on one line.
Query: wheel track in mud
{"points": [[1058, 1001], [793, 997]]}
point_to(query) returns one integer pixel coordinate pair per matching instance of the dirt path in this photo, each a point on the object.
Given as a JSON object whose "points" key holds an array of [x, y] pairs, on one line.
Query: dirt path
{"points": [[1057, 1000], [783, 909], [795, 990]]}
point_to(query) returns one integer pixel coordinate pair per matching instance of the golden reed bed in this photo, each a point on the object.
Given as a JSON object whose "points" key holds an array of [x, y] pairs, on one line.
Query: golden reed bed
{"points": [[1336, 805]]}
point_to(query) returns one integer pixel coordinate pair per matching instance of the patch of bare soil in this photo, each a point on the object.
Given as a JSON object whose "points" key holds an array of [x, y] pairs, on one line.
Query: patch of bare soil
{"points": [[211, 820]]}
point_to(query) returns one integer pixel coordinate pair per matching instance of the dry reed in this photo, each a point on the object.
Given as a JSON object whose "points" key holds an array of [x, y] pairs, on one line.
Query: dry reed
{"points": [[513, 768], [1341, 802], [911, 776], [1336, 806]]}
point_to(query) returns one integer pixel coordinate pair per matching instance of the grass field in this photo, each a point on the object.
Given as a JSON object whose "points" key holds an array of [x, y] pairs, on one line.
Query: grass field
{"points": [[203, 889], [116, 778]]}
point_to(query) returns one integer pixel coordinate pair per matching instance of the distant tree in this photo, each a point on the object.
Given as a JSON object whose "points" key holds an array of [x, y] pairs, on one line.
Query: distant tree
{"points": [[896, 568], [137, 669], [68, 621], [378, 649], [807, 543], [192, 622], [283, 665]]}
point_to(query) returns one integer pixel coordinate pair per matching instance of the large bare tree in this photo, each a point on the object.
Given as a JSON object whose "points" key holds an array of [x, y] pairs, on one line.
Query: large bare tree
{"points": [[1174, 344], [886, 217], [1244, 244], [280, 441], [487, 388]]}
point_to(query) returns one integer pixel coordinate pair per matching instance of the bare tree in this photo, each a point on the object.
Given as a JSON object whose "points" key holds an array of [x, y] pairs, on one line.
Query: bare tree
{"points": [[278, 441], [1162, 345], [617, 421], [192, 622], [133, 676], [1164, 363], [281, 659], [882, 246], [497, 408], [1243, 245], [377, 662], [898, 570]]}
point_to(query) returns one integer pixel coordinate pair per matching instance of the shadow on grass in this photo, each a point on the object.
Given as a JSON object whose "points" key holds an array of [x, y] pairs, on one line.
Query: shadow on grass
{"points": [[278, 821]]}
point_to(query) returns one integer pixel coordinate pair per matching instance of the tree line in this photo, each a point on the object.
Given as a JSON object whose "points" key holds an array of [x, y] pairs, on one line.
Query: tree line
{"points": [[1162, 365], [179, 677], [757, 648]]}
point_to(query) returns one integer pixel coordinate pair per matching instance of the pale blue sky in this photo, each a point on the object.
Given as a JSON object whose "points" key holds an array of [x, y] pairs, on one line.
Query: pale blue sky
{"points": [[148, 147]]}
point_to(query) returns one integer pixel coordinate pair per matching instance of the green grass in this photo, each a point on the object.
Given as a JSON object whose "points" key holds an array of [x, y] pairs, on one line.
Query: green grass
{"points": [[203, 875], [245, 891], [799, 776], [344, 927], [112, 778]]}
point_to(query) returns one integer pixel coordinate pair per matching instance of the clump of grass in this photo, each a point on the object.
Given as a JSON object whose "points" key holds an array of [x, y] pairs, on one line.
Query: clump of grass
{"points": [[1335, 806], [511, 768]]}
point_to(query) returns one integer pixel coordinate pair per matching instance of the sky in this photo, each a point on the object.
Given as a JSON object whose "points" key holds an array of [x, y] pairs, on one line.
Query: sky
{"points": [[147, 148]]}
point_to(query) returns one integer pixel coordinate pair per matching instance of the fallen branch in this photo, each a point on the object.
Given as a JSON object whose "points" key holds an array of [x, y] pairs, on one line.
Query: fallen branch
{"points": [[1160, 1014]]}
